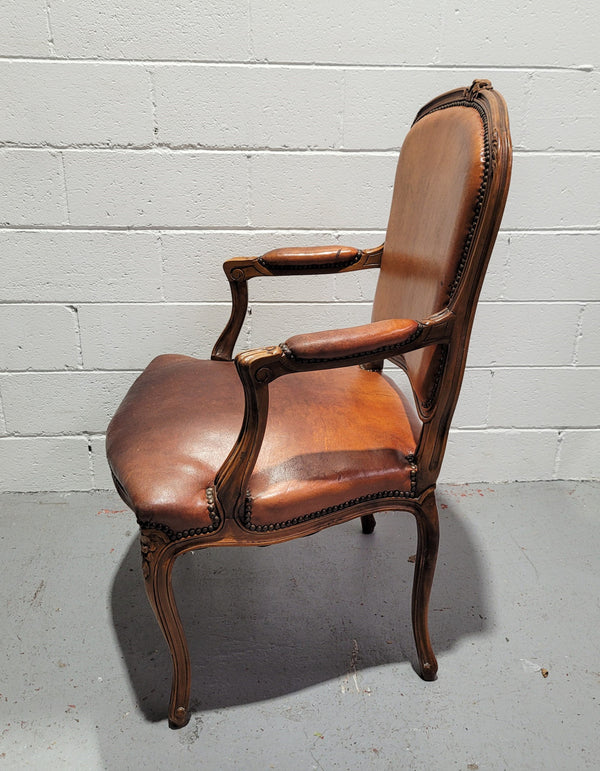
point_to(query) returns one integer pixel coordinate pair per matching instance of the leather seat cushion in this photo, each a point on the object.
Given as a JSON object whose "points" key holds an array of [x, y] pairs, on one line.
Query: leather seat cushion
{"points": [[331, 436]]}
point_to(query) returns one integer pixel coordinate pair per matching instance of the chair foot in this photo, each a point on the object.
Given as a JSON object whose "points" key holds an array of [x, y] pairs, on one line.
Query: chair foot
{"points": [[428, 671], [368, 523], [427, 548], [157, 566], [180, 719]]}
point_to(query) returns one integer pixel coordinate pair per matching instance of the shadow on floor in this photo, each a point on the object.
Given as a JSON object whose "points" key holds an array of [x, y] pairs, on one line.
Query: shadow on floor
{"points": [[262, 623]]}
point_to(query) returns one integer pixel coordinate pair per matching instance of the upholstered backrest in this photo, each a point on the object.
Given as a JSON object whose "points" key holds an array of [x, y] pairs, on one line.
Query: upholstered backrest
{"points": [[444, 217]]}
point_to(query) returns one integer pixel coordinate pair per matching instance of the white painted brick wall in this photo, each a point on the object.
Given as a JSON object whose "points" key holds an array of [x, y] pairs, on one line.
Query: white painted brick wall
{"points": [[90, 266], [24, 29], [55, 403], [33, 188], [328, 190], [31, 464], [587, 344], [142, 143], [147, 188], [550, 190], [130, 29], [62, 103], [39, 337], [217, 105], [123, 336]]}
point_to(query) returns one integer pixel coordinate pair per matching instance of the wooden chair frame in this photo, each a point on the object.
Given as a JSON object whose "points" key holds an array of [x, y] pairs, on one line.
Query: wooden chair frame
{"points": [[449, 328]]}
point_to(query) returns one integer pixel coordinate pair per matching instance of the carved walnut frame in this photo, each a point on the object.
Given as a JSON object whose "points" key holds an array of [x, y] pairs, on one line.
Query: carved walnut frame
{"points": [[451, 328]]}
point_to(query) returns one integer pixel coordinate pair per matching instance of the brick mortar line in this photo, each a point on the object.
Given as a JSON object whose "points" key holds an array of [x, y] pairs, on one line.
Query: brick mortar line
{"points": [[249, 202], [161, 257], [234, 229], [90, 459], [68, 303], [65, 187], [251, 150], [517, 429], [579, 333], [149, 303], [471, 368], [75, 311], [252, 63], [50, 41], [490, 390], [92, 371], [558, 453], [153, 105], [3, 415], [562, 230], [250, 32]]}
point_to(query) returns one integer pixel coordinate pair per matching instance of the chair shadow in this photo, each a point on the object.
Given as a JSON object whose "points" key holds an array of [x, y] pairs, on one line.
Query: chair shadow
{"points": [[265, 622]]}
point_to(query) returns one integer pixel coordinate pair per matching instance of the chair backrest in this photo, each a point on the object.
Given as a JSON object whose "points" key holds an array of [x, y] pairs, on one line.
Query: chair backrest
{"points": [[449, 194]]}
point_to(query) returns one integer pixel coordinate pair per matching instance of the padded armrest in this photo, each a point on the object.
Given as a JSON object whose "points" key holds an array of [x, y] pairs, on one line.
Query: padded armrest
{"points": [[306, 258], [309, 259], [284, 262], [379, 337]]}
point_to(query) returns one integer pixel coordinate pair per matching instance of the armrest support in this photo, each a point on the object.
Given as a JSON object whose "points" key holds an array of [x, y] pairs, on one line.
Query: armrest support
{"points": [[303, 353], [284, 262]]}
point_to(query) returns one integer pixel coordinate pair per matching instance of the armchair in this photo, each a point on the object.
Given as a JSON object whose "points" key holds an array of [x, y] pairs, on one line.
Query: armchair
{"points": [[286, 440]]}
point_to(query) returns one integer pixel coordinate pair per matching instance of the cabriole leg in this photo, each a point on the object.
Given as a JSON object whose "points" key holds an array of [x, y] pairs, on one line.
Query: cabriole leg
{"points": [[157, 566], [427, 548]]}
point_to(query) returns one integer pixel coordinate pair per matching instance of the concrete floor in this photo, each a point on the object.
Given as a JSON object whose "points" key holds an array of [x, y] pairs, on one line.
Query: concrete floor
{"points": [[303, 652]]}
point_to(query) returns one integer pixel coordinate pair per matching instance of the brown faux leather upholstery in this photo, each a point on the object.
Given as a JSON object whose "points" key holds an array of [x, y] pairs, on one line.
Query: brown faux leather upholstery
{"points": [[331, 437]]}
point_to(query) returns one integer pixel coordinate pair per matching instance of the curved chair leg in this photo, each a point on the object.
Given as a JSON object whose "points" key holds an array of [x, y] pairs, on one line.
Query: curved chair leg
{"points": [[427, 548], [368, 523], [157, 566]]}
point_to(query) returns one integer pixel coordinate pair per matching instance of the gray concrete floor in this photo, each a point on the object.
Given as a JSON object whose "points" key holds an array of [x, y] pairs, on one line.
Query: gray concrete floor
{"points": [[303, 656]]}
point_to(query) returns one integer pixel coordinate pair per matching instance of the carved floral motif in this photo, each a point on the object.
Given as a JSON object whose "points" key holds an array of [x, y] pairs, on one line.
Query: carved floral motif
{"points": [[494, 146], [475, 87], [150, 543]]}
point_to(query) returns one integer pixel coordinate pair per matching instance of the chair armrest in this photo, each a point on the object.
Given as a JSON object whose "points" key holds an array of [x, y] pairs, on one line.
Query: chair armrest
{"points": [[318, 259], [378, 339], [302, 353], [303, 259], [284, 262], [363, 344]]}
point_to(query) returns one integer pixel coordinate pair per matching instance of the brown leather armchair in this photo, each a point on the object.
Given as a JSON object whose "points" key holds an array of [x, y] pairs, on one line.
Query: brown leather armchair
{"points": [[286, 440]]}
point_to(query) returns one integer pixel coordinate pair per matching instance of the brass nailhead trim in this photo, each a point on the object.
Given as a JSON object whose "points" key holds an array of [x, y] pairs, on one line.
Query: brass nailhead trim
{"points": [[437, 379], [247, 515], [427, 403], [482, 188], [177, 536], [311, 266]]}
